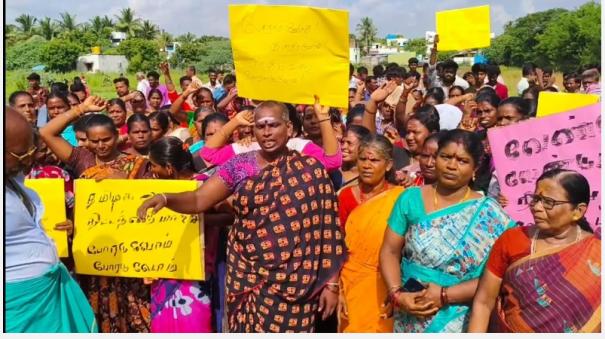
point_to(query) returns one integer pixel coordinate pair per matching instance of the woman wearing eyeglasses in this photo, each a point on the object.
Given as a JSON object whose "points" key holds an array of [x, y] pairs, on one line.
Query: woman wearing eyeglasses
{"points": [[545, 277]]}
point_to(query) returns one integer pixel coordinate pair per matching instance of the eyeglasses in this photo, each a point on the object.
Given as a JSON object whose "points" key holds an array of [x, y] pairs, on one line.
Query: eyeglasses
{"points": [[548, 203], [27, 154]]}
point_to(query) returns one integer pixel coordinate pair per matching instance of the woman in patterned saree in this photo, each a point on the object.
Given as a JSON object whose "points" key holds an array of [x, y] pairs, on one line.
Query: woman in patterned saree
{"points": [[545, 277], [438, 240], [120, 304], [362, 288], [285, 249]]}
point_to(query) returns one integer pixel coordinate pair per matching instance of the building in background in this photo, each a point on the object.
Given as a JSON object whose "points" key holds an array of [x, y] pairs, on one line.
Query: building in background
{"points": [[396, 40], [117, 37], [102, 63], [354, 51]]}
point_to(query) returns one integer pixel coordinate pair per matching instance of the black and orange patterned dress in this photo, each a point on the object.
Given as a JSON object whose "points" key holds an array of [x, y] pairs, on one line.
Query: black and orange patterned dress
{"points": [[285, 244]]}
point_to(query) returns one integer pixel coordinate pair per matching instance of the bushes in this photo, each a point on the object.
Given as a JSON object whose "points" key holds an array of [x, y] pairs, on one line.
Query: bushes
{"points": [[60, 55], [143, 55], [25, 55]]}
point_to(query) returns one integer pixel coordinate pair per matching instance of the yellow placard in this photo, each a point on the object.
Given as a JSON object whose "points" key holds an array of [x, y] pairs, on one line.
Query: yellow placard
{"points": [[290, 53], [110, 240], [464, 28], [554, 102], [52, 195]]}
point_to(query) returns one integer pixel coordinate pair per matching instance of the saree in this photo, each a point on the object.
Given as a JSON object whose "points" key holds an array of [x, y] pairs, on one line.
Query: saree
{"points": [[361, 281], [51, 303], [285, 245], [445, 247], [120, 304], [554, 291]]}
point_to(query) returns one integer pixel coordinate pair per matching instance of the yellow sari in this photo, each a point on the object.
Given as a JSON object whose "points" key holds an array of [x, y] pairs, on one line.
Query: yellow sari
{"points": [[362, 285]]}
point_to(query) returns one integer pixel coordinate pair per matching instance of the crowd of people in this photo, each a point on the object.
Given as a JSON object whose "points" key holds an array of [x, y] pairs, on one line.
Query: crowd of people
{"points": [[385, 216]]}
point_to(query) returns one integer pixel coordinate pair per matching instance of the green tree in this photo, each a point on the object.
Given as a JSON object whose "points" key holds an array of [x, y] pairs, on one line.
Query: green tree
{"points": [[574, 40], [26, 24], [218, 54], [187, 53], [127, 22], [60, 55], [47, 28], [143, 55], [417, 46], [67, 23], [11, 35], [366, 31], [186, 38], [26, 54], [107, 22], [148, 30]]}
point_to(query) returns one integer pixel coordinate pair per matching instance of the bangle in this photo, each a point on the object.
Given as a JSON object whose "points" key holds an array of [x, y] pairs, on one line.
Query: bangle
{"points": [[165, 198], [394, 288], [322, 120], [370, 113], [393, 297], [444, 299]]}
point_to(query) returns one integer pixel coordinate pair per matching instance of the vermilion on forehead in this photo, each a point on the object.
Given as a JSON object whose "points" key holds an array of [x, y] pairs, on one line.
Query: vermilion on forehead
{"points": [[551, 188]]}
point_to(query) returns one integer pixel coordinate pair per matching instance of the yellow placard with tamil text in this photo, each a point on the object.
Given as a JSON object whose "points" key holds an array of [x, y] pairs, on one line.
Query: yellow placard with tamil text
{"points": [[552, 102], [290, 53], [52, 195], [465, 28], [110, 240]]}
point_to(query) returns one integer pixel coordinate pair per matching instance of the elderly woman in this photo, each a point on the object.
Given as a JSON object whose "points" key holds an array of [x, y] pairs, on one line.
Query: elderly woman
{"points": [[551, 269], [438, 240], [364, 210], [285, 250]]}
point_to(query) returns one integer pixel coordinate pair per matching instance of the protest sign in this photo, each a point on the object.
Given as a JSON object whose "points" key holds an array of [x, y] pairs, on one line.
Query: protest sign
{"points": [[290, 53], [110, 240], [52, 195], [551, 102], [522, 152], [464, 28]]}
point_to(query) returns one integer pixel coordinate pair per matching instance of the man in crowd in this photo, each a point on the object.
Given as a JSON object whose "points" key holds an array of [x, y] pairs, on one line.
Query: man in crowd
{"points": [[40, 295], [38, 92], [529, 78], [23, 102], [153, 78]]}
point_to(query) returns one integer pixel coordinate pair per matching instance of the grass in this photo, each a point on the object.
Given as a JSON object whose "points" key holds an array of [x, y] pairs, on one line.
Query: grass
{"points": [[101, 84]]}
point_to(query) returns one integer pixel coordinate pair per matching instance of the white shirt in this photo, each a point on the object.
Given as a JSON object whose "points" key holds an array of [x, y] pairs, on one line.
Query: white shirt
{"points": [[143, 87], [522, 85]]}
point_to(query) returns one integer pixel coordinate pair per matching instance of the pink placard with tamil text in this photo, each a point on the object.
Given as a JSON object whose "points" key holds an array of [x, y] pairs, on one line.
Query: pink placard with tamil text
{"points": [[522, 152]]}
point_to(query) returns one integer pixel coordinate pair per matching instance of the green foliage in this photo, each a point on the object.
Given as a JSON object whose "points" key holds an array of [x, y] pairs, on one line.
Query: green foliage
{"points": [[60, 55], [417, 46], [188, 53], [366, 31], [143, 55], [557, 37], [218, 54], [25, 55]]}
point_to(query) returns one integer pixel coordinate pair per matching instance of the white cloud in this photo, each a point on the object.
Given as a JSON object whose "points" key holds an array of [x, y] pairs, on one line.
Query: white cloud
{"points": [[528, 6]]}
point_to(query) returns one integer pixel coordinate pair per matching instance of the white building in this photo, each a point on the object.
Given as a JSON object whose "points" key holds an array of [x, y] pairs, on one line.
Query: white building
{"points": [[117, 37], [378, 48], [396, 40], [102, 63], [354, 52]]}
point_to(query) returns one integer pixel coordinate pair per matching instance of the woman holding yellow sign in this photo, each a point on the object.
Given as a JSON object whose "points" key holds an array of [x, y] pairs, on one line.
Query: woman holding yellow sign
{"points": [[286, 249]]}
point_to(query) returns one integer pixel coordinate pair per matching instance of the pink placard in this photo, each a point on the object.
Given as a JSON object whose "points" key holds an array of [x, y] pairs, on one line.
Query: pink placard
{"points": [[522, 152]]}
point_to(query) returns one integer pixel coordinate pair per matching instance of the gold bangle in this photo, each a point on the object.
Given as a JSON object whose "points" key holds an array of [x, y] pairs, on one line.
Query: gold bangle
{"points": [[322, 120]]}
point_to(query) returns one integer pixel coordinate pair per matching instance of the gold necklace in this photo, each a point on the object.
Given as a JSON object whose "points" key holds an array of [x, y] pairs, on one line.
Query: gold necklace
{"points": [[436, 202]]}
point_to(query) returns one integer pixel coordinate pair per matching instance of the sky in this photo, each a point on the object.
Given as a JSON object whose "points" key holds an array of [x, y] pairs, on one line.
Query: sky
{"points": [[411, 18]]}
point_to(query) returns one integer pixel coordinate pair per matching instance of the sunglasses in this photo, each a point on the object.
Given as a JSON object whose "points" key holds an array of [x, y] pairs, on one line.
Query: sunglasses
{"points": [[26, 155], [548, 203]]}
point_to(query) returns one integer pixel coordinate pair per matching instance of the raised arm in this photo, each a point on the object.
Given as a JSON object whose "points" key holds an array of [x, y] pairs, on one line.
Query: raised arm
{"points": [[202, 199], [460, 99], [433, 57], [226, 100], [51, 132], [378, 96], [219, 139], [328, 138], [167, 79], [361, 86], [175, 108]]}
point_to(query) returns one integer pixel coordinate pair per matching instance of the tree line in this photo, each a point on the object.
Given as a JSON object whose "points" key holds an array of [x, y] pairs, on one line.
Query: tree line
{"points": [[57, 43]]}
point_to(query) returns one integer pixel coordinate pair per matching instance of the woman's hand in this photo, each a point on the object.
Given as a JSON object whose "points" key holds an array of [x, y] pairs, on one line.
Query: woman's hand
{"points": [[93, 104], [67, 226], [245, 118], [391, 133], [403, 178], [156, 203], [432, 295], [328, 301], [412, 303], [382, 92], [245, 142], [321, 112], [502, 200], [343, 311]]}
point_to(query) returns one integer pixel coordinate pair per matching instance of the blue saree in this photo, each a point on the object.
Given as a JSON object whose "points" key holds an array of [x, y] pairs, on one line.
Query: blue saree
{"points": [[444, 247]]}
